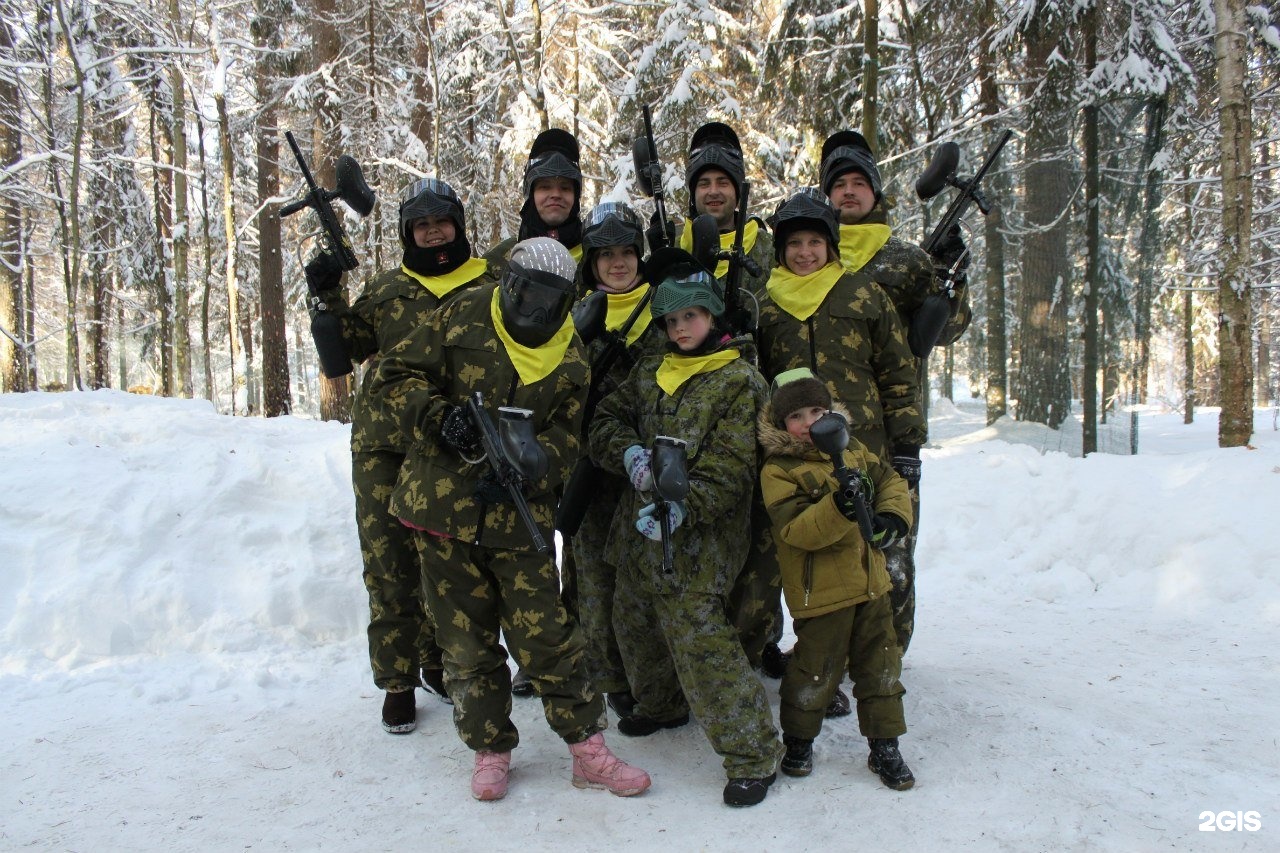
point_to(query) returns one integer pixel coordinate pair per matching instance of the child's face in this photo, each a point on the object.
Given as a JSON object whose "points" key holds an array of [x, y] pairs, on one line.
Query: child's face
{"points": [[805, 252], [688, 327], [799, 421]]}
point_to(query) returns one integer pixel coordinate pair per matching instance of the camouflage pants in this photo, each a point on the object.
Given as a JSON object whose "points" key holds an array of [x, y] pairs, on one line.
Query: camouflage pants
{"points": [[683, 655], [900, 560], [862, 635], [476, 592], [401, 635], [755, 600], [597, 580]]}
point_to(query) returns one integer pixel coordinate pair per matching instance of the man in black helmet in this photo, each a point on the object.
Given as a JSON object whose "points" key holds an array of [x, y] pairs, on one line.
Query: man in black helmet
{"points": [[714, 176], [849, 176], [515, 344], [436, 265], [552, 188]]}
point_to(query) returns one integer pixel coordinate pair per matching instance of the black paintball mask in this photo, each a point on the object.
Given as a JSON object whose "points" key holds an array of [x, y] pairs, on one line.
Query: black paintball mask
{"points": [[537, 290], [610, 223], [714, 146], [554, 154], [432, 197], [844, 152]]}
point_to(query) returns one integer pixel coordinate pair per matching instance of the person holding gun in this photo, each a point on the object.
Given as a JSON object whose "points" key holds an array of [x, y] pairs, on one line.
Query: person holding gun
{"points": [[681, 652], [850, 178], [833, 578], [482, 571], [435, 266]]}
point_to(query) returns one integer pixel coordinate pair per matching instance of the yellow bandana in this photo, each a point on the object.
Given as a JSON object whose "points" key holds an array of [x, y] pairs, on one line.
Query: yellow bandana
{"points": [[442, 285], [859, 243], [531, 363], [676, 370], [726, 242], [800, 295], [620, 307], [576, 251]]}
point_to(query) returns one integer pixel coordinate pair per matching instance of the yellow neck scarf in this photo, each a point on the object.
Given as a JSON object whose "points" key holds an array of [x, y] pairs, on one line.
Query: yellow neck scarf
{"points": [[749, 235], [859, 243], [531, 363], [800, 295], [576, 251], [676, 370], [442, 285], [620, 307]]}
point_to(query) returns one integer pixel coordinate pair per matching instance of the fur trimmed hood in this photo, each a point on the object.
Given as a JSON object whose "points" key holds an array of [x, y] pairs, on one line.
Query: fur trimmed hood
{"points": [[778, 442]]}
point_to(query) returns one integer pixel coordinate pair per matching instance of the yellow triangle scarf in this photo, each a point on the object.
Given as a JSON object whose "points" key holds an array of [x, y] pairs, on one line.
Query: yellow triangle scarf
{"points": [[726, 242], [859, 243], [676, 370], [620, 307], [442, 285], [576, 251], [531, 363], [800, 295]]}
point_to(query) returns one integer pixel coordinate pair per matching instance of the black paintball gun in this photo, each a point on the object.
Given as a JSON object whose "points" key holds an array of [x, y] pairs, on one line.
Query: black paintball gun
{"points": [[740, 318], [514, 455], [830, 434], [940, 173], [644, 154], [670, 485], [326, 329]]}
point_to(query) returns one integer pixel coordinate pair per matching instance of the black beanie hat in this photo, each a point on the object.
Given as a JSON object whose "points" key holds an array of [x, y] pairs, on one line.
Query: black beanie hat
{"points": [[797, 389]]}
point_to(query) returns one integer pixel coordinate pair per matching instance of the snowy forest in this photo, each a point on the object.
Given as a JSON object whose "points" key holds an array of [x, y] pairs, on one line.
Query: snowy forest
{"points": [[1129, 255]]}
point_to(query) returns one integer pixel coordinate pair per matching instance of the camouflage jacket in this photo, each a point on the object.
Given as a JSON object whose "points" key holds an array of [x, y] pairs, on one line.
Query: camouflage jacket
{"points": [[390, 307], [716, 413], [856, 343], [457, 352], [652, 341], [826, 564], [906, 273]]}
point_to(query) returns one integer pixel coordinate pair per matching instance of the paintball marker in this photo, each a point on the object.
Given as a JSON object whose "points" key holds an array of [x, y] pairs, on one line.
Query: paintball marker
{"points": [[670, 484], [514, 457], [830, 434], [941, 172], [644, 154], [326, 329], [737, 315]]}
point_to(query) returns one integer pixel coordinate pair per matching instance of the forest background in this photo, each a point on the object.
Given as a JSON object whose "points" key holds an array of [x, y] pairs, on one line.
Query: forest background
{"points": [[1129, 256]]}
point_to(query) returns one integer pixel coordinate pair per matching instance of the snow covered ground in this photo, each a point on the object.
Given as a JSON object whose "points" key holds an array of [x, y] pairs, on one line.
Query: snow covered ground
{"points": [[182, 662]]}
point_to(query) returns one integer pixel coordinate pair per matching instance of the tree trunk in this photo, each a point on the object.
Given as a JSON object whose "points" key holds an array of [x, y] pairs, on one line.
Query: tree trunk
{"points": [[1148, 243], [997, 348], [1188, 320], [13, 335], [1235, 351], [870, 71], [1266, 249], [162, 194], [181, 237], [239, 367], [1044, 383], [275, 347], [1093, 238], [71, 248]]}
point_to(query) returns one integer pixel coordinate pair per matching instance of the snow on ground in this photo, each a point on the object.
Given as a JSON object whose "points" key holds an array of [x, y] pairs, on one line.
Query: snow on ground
{"points": [[182, 662]]}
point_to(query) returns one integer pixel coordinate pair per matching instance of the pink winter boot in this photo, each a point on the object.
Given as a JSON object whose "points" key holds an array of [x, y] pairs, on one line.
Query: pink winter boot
{"points": [[489, 779], [594, 766]]}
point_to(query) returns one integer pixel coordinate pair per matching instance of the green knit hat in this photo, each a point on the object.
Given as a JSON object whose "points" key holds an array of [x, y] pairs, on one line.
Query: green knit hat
{"points": [[797, 389]]}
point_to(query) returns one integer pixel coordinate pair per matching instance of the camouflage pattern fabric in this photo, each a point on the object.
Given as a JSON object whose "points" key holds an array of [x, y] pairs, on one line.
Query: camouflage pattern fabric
{"points": [[453, 354], [862, 635], [856, 343], [900, 560], [483, 590], [684, 657], [401, 633], [755, 600]]}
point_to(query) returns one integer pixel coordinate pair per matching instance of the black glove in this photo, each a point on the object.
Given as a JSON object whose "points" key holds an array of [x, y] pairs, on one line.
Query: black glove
{"points": [[490, 491], [323, 272], [852, 485], [950, 249], [906, 461], [458, 432], [886, 529], [660, 232]]}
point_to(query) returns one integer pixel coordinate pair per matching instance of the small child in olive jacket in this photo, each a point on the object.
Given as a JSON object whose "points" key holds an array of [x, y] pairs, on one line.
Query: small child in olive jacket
{"points": [[835, 582]]}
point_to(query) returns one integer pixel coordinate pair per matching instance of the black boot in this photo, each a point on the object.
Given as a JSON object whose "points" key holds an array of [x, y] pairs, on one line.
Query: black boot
{"points": [[838, 706], [747, 792], [773, 661], [433, 682], [399, 712], [886, 761], [622, 702], [521, 685], [799, 758], [637, 725]]}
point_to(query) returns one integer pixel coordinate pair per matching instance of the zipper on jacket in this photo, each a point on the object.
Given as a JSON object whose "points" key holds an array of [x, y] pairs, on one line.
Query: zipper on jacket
{"points": [[808, 576], [813, 351]]}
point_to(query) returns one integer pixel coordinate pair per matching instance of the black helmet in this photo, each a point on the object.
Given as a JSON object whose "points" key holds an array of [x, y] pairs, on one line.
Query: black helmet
{"points": [[847, 151], [537, 290], [807, 208], [680, 282], [714, 146], [429, 197], [554, 154], [611, 223]]}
